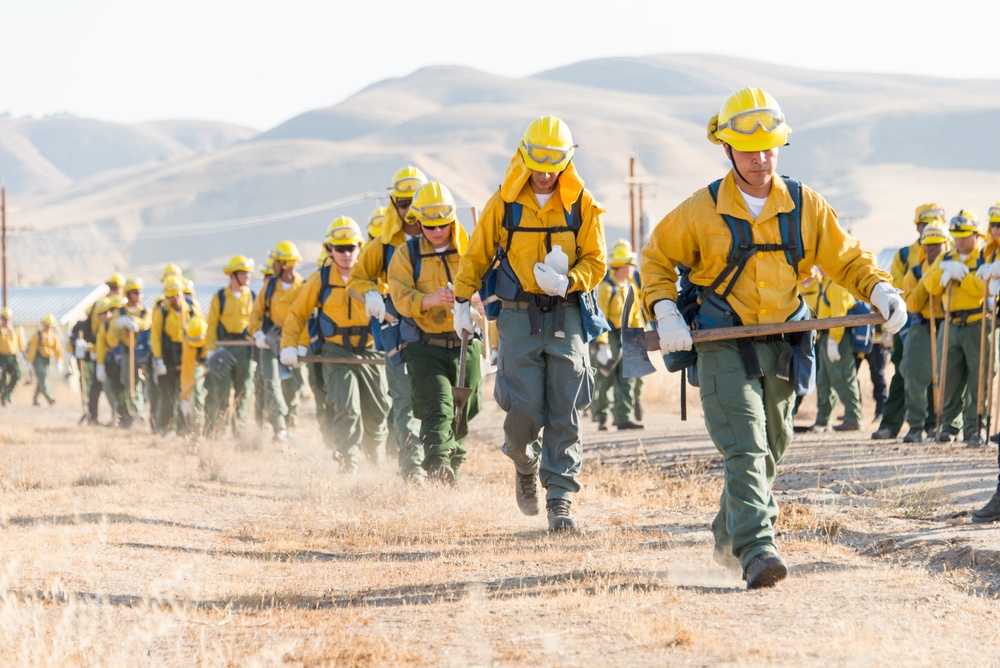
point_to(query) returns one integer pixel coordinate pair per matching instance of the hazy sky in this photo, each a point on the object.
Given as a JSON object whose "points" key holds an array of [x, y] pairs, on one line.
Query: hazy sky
{"points": [[259, 63]]}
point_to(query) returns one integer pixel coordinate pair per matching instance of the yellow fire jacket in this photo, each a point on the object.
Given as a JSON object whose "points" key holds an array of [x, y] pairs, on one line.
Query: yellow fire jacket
{"points": [[11, 342], [115, 334], [900, 267], [277, 310], [966, 297], [611, 301], [45, 344], [339, 307], [191, 358], [370, 270], [918, 300], [833, 301], [586, 251], [408, 294], [170, 324], [695, 234], [235, 319]]}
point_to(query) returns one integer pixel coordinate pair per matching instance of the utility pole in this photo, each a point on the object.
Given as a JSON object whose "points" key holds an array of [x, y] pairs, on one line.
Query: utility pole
{"points": [[631, 199], [3, 236], [638, 221]]}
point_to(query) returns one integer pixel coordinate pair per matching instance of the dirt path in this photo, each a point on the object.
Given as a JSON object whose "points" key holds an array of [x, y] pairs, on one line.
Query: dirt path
{"points": [[122, 549]]}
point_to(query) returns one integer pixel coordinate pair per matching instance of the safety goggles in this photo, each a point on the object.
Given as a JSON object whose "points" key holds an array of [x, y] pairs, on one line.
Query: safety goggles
{"points": [[747, 122], [435, 211], [347, 248], [930, 215], [407, 184], [963, 222], [343, 234], [994, 213], [554, 155]]}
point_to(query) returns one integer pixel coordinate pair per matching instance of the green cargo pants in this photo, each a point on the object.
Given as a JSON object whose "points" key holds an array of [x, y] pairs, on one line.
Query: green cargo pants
{"points": [[433, 372], [357, 404], [542, 382], [10, 373], [840, 377], [962, 381], [275, 407], [916, 369], [404, 426], [624, 388], [237, 382], [41, 365], [750, 422]]}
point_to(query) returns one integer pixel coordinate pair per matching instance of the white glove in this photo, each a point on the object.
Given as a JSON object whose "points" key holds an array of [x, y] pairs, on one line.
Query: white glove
{"points": [[952, 271], [603, 354], [461, 313], [289, 357], [185, 408], [80, 348], [833, 349], [302, 351], [550, 281], [674, 332], [132, 325], [994, 286], [260, 340], [886, 299], [159, 368], [60, 367], [375, 305], [985, 271], [100, 373], [994, 269]]}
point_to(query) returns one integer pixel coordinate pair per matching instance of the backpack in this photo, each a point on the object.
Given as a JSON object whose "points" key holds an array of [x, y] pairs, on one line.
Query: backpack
{"points": [[322, 327]]}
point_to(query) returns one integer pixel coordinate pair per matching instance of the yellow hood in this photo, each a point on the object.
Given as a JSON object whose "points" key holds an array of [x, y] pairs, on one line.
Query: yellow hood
{"points": [[392, 224], [570, 183]]}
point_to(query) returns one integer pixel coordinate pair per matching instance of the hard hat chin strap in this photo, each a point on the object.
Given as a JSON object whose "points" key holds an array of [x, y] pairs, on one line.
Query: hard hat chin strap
{"points": [[729, 154]]}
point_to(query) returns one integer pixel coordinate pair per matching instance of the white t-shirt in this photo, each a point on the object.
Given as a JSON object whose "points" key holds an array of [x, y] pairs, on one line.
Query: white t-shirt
{"points": [[755, 204], [542, 198]]}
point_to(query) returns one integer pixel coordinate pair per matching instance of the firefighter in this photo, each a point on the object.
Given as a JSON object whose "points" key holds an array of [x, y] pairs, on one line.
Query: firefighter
{"points": [[126, 350], [282, 385], [229, 321], [11, 347], [747, 406], [192, 375], [43, 347], [355, 397], [170, 321], [554, 253], [837, 374]]}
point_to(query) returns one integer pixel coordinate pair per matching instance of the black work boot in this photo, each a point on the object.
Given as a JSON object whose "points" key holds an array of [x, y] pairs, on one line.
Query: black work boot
{"points": [[628, 424], [765, 570], [915, 435], [990, 512], [526, 491], [560, 517]]}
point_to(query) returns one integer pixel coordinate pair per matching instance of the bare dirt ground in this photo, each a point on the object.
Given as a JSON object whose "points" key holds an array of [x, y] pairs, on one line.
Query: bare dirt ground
{"points": [[119, 548]]}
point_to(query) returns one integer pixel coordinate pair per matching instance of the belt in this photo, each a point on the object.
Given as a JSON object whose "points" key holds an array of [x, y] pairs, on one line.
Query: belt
{"points": [[447, 340], [770, 338], [544, 303]]}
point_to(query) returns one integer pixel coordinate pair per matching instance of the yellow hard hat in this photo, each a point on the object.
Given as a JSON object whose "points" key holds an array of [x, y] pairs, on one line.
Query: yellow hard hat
{"points": [[116, 280], [49, 320], [406, 182], [547, 145], [433, 206], [934, 234], [965, 223], [622, 255], [102, 305], [749, 120], [174, 285], [930, 213], [170, 270], [267, 271], [376, 221], [287, 253], [188, 286], [116, 301], [238, 263], [197, 328], [623, 242], [344, 231], [5, 312], [995, 213], [133, 284]]}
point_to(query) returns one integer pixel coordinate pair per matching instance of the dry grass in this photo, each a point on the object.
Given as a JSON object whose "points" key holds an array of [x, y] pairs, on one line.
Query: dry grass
{"points": [[121, 549]]}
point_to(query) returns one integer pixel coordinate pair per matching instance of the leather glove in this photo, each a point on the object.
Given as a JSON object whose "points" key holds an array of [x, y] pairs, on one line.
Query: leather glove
{"points": [[80, 349], [833, 349], [952, 271], [132, 325], [461, 313], [185, 408], [994, 286], [289, 357], [886, 299], [100, 373], [550, 281], [260, 340], [603, 354], [674, 333], [375, 305], [985, 271], [159, 368], [302, 351]]}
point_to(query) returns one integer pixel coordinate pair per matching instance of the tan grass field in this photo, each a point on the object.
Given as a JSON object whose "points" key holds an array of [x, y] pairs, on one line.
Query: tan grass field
{"points": [[122, 549]]}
